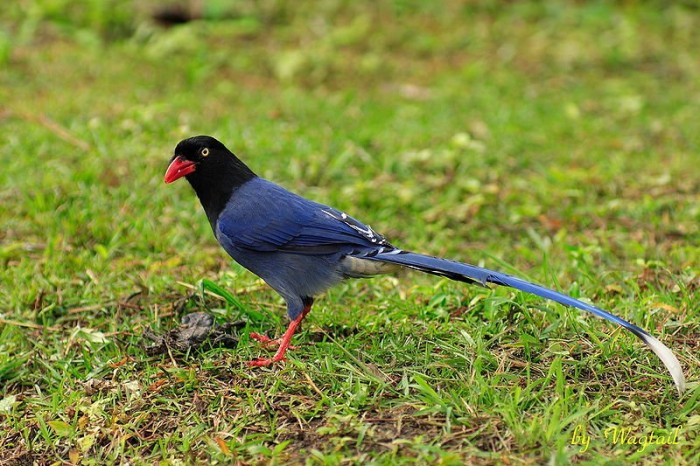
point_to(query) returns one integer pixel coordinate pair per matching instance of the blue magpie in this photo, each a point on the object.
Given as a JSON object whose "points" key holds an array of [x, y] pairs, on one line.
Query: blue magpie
{"points": [[301, 248]]}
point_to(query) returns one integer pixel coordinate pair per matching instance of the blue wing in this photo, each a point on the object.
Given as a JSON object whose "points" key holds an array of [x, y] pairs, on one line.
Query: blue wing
{"points": [[262, 216]]}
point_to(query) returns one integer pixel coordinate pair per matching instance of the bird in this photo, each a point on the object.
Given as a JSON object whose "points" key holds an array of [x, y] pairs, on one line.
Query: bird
{"points": [[301, 248]]}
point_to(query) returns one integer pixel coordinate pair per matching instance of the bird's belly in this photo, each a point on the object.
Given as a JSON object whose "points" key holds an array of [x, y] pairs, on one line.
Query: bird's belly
{"points": [[291, 274]]}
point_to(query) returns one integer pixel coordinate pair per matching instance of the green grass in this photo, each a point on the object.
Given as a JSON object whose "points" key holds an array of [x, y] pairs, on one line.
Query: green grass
{"points": [[555, 140]]}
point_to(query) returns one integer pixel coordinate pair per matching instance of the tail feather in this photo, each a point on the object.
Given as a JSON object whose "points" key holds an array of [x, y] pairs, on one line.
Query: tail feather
{"points": [[478, 275]]}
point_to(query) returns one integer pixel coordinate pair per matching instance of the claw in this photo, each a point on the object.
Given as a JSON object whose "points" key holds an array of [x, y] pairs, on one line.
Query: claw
{"points": [[264, 362], [268, 342]]}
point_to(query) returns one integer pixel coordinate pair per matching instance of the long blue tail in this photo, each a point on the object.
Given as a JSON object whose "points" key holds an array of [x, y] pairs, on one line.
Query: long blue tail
{"points": [[478, 275]]}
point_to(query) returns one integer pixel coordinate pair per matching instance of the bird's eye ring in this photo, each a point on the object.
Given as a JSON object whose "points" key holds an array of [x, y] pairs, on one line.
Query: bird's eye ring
{"points": [[205, 152]]}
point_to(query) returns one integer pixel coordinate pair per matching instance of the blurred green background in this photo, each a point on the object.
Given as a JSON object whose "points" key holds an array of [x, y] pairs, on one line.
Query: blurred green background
{"points": [[557, 140]]}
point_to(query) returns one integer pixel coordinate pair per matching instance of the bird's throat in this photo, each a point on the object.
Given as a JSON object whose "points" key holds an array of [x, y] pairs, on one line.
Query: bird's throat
{"points": [[214, 190]]}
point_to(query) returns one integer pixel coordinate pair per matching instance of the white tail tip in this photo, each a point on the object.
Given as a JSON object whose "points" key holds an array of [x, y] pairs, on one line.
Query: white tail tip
{"points": [[669, 360]]}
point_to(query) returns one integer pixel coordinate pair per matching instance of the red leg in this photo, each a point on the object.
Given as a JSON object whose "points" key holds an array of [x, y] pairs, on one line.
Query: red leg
{"points": [[284, 342]]}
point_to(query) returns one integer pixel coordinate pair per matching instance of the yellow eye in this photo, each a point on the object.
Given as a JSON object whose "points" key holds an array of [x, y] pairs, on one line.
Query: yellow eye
{"points": [[205, 152]]}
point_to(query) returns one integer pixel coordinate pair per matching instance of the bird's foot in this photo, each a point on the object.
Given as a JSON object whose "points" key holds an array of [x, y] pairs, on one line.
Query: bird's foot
{"points": [[282, 344], [264, 362], [268, 342]]}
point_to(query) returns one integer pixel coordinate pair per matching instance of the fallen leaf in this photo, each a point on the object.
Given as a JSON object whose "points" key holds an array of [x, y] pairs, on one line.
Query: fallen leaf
{"points": [[666, 307], [7, 403], [156, 385], [114, 365], [61, 428], [74, 456], [222, 446]]}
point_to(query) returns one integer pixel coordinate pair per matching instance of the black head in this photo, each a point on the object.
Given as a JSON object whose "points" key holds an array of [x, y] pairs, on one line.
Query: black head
{"points": [[204, 158], [213, 171]]}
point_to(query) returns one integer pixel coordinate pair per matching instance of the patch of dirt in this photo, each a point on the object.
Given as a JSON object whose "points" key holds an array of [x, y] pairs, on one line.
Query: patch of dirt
{"points": [[197, 330], [26, 458], [388, 430]]}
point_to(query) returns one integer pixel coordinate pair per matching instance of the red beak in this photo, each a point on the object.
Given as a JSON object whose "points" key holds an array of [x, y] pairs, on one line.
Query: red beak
{"points": [[178, 168]]}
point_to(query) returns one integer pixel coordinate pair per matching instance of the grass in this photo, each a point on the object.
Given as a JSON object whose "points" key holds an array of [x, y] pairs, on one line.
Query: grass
{"points": [[556, 140]]}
